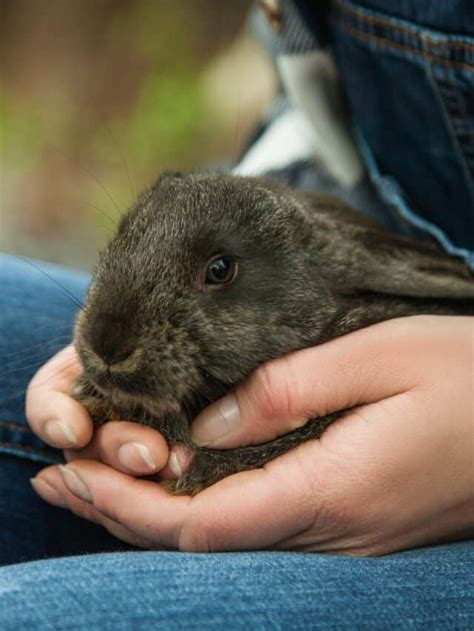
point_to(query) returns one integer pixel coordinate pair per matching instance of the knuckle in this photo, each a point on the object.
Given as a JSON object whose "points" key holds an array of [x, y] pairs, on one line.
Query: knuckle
{"points": [[272, 390]]}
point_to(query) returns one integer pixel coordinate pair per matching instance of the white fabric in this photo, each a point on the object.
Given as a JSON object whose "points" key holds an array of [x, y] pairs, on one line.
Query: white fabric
{"points": [[286, 141], [312, 85], [316, 128]]}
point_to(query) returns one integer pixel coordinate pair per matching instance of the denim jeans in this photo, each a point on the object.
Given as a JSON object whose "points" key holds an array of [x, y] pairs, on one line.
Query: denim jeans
{"points": [[407, 77], [423, 589], [408, 72], [56, 573], [61, 572]]}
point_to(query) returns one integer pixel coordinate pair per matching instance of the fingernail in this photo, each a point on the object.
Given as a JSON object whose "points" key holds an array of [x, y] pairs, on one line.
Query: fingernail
{"points": [[60, 434], [42, 488], [219, 420], [75, 484], [174, 464], [135, 455]]}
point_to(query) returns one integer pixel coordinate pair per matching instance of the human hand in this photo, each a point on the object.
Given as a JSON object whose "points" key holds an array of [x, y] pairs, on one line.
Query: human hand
{"points": [[396, 472], [60, 421]]}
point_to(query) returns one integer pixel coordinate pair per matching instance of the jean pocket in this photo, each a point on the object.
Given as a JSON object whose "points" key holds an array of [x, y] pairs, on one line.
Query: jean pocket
{"points": [[19, 440], [410, 89]]}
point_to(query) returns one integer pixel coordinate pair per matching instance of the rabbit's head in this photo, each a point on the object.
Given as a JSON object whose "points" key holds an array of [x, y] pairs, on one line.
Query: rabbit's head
{"points": [[207, 277], [210, 275]]}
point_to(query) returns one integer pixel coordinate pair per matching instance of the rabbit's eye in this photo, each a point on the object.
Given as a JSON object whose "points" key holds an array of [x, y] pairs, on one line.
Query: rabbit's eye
{"points": [[221, 271]]}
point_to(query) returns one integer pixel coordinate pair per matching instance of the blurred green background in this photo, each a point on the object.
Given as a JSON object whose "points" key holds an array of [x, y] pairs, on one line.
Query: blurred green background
{"points": [[99, 96]]}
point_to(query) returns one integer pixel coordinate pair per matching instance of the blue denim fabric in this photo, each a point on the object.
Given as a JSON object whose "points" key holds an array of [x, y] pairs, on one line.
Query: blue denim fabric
{"points": [[36, 317], [422, 589], [408, 71], [36, 321]]}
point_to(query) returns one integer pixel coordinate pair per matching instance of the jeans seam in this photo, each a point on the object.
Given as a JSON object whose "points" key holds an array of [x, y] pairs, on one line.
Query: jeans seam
{"points": [[459, 100], [388, 44], [15, 427], [27, 448], [448, 116], [469, 134], [363, 24], [19, 446], [389, 24], [393, 194]]}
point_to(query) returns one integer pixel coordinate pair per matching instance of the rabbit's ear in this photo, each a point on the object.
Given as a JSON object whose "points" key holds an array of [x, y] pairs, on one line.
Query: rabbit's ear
{"points": [[385, 263], [361, 256]]}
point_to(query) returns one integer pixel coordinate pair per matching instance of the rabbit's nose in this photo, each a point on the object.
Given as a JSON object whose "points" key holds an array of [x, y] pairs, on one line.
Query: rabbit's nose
{"points": [[110, 339]]}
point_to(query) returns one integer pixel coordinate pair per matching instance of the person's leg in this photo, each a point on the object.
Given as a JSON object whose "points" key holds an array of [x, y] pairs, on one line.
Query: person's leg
{"points": [[430, 588], [36, 319], [422, 589]]}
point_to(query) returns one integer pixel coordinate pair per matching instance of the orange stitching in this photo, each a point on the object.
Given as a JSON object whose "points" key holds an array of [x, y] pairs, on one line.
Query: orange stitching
{"points": [[376, 20], [404, 29], [15, 426], [389, 43], [447, 110], [464, 118], [39, 452]]}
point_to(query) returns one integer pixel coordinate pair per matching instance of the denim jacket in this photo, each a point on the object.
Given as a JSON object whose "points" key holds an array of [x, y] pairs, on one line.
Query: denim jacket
{"points": [[378, 108]]}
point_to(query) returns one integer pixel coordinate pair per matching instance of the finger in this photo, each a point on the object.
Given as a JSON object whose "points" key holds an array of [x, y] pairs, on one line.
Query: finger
{"points": [[180, 457], [52, 413], [125, 446], [281, 395], [203, 529], [50, 486], [141, 506], [249, 510], [48, 492]]}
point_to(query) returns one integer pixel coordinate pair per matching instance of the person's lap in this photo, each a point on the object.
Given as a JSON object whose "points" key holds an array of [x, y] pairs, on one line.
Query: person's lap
{"points": [[261, 590], [422, 588], [36, 319]]}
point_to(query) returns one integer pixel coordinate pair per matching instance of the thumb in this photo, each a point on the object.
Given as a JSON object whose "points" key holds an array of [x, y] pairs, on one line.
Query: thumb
{"points": [[282, 394]]}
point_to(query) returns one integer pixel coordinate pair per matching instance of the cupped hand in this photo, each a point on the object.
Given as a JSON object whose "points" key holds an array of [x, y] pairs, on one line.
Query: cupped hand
{"points": [[396, 472], [60, 421]]}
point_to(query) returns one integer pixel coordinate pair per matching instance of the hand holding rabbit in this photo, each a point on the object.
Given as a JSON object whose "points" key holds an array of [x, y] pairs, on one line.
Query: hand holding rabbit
{"points": [[394, 473]]}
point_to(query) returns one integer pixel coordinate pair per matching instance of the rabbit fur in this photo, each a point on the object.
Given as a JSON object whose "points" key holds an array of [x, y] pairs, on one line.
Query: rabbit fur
{"points": [[157, 345]]}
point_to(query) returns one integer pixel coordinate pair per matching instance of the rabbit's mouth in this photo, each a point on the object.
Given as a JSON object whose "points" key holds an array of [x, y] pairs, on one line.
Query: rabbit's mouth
{"points": [[132, 403]]}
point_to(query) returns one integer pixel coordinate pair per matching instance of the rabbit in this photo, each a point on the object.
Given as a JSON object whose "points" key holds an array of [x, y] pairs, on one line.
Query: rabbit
{"points": [[211, 274]]}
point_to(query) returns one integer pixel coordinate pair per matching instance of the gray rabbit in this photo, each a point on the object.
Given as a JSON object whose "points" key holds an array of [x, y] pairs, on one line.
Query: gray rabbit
{"points": [[209, 275]]}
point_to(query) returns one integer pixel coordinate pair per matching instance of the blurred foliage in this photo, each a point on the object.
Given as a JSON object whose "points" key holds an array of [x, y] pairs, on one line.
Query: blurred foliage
{"points": [[98, 97], [21, 132], [167, 124]]}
